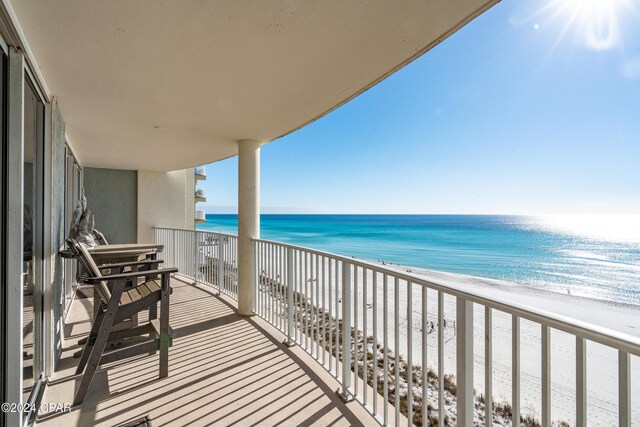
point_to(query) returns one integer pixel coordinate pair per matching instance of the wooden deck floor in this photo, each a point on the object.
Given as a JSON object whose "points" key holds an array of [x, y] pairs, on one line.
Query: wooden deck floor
{"points": [[224, 370]]}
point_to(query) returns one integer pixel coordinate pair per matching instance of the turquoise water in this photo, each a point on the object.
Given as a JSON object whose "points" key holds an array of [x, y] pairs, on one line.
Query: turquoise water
{"points": [[597, 257]]}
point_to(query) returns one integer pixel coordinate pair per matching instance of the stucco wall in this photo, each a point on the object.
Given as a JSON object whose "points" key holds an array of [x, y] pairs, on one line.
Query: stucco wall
{"points": [[189, 200], [164, 200], [112, 196]]}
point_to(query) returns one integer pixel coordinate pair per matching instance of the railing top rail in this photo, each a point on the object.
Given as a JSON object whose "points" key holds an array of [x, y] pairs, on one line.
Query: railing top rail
{"points": [[589, 331], [199, 231]]}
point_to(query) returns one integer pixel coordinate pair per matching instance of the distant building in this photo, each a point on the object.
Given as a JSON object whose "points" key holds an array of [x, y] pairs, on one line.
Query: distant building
{"points": [[200, 174]]}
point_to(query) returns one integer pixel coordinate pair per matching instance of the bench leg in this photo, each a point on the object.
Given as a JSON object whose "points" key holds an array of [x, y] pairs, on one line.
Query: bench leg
{"points": [[89, 343], [153, 314], [93, 359], [104, 330], [164, 327]]}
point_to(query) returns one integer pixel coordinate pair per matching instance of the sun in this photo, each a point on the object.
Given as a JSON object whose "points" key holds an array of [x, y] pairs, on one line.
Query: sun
{"points": [[597, 21]]}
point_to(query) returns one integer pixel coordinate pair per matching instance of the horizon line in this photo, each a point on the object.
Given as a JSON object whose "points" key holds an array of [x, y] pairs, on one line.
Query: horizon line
{"points": [[433, 214]]}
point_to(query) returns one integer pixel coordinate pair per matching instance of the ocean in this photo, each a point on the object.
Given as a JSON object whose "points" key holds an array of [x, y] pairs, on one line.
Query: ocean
{"points": [[591, 256]]}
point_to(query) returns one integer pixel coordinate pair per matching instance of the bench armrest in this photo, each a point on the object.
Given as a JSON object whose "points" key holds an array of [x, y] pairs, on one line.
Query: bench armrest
{"points": [[130, 275], [130, 264]]}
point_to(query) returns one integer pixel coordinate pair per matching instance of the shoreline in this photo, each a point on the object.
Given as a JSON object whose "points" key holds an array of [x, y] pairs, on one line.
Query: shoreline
{"points": [[627, 319], [602, 361]]}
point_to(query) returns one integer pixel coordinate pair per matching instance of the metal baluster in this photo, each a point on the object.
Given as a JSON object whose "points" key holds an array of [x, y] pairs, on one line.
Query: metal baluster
{"points": [[396, 349], [312, 320], [440, 358], [259, 295], [346, 330], [289, 304], [317, 308], [337, 347], [464, 362], [235, 263], [410, 353], [515, 367], [183, 270], [301, 316], [546, 375], [173, 248], [265, 280], [225, 260], [488, 365], [425, 367], [330, 317], [283, 282], [385, 347], [306, 301], [279, 289], [256, 299], [220, 264], [581, 381], [355, 327], [294, 300], [624, 389], [196, 255], [274, 285], [365, 330], [324, 311], [375, 342], [274, 282]]}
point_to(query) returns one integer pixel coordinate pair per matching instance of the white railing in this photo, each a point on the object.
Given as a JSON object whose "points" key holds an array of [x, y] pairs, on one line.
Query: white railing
{"points": [[375, 329], [202, 256], [200, 192], [200, 216], [200, 171], [331, 305]]}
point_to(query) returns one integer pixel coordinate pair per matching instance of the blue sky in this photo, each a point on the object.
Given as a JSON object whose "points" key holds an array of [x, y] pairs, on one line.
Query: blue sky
{"points": [[533, 108]]}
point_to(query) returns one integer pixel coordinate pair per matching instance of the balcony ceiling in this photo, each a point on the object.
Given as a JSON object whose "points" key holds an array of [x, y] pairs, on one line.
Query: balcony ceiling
{"points": [[164, 85]]}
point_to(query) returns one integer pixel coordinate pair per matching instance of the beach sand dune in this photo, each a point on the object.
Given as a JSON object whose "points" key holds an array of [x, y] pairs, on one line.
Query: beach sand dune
{"points": [[602, 361]]}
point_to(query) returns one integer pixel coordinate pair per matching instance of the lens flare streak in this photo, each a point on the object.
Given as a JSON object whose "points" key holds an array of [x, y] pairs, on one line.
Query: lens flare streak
{"points": [[595, 23]]}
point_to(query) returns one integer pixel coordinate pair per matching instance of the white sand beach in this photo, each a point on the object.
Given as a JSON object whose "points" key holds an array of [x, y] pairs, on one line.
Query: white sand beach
{"points": [[602, 362]]}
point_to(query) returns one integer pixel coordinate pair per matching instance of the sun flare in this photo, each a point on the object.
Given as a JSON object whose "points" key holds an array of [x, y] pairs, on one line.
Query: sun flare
{"points": [[597, 21], [611, 228]]}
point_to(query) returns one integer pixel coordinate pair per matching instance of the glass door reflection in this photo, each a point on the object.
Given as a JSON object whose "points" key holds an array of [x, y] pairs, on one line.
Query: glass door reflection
{"points": [[32, 351]]}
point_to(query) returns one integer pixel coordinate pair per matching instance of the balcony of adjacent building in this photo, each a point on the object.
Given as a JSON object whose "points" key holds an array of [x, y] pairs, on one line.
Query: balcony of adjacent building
{"points": [[200, 173], [200, 195], [200, 217]]}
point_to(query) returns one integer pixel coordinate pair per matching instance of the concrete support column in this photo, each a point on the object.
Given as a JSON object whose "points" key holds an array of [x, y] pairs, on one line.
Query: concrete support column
{"points": [[248, 220]]}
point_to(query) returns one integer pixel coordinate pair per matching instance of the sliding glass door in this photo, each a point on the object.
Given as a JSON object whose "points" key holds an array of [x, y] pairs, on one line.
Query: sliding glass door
{"points": [[23, 203], [33, 242], [3, 224], [72, 193]]}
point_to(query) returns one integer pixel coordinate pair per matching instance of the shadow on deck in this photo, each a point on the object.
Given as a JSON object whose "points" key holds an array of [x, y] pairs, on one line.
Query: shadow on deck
{"points": [[224, 370]]}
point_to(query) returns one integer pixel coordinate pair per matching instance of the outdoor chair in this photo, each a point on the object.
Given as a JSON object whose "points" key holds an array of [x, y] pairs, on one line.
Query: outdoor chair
{"points": [[115, 268], [100, 237], [118, 304], [111, 268]]}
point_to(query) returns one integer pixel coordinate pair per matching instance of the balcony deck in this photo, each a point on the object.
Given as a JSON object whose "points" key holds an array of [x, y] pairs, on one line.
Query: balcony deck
{"points": [[224, 370]]}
